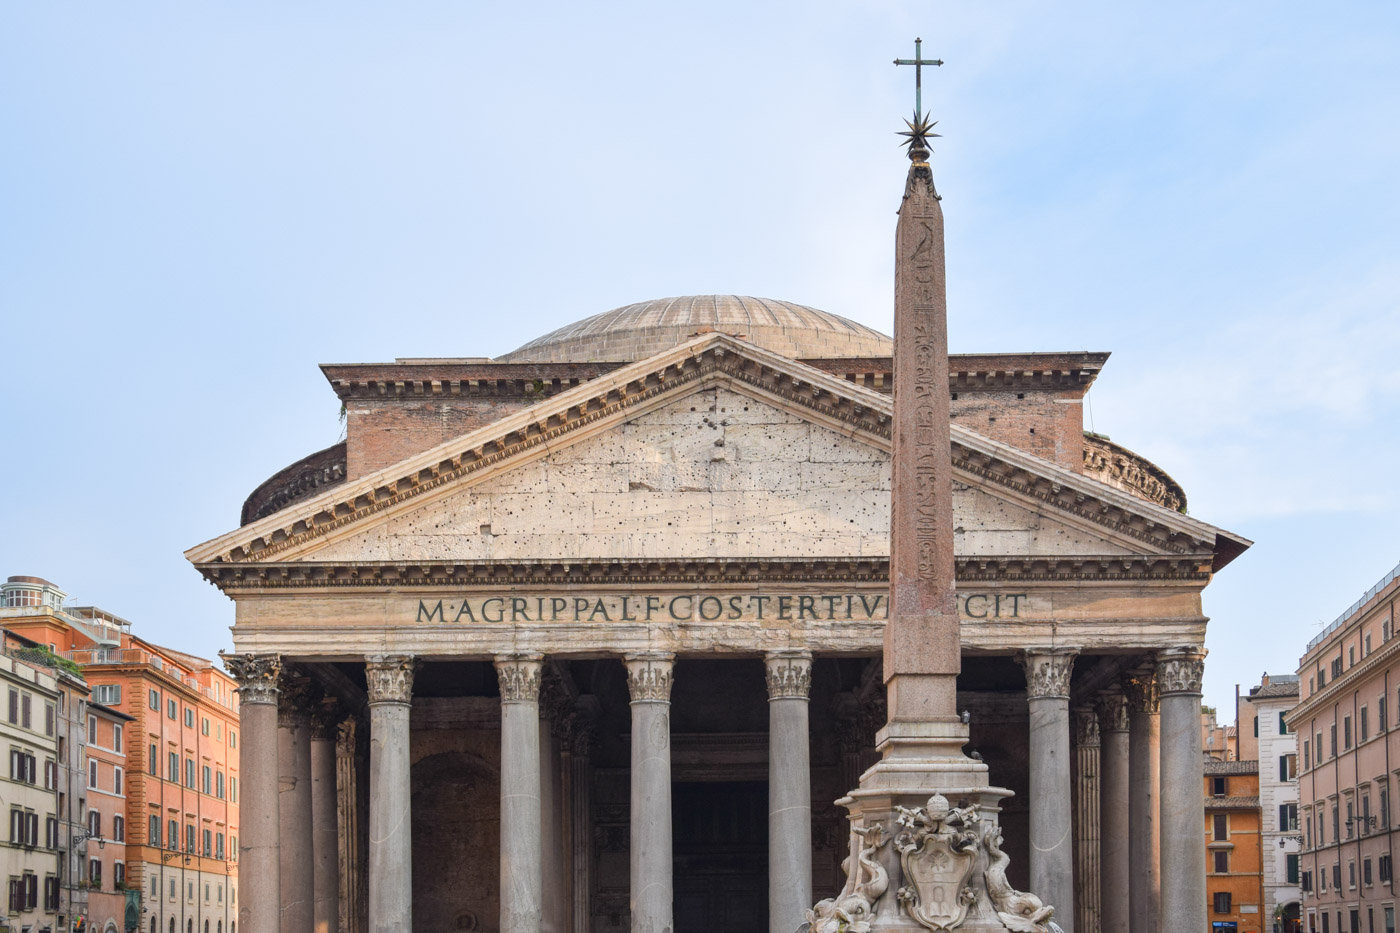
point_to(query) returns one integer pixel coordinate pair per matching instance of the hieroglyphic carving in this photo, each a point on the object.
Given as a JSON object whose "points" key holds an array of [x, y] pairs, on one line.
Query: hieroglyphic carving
{"points": [[1180, 670], [789, 674], [257, 675], [519, 678], [1048, 672], [390, 678]]}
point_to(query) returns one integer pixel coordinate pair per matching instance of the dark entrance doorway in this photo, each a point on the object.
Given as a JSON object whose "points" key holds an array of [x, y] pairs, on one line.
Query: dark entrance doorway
{"points": [[721, 856]]}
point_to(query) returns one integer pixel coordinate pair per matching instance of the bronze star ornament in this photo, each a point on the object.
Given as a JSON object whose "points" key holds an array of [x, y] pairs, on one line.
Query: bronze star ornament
{"points": [[919, 133]]}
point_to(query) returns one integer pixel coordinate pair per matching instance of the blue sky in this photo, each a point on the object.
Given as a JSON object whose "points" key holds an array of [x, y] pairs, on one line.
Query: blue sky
{"points": [[200, 202]]}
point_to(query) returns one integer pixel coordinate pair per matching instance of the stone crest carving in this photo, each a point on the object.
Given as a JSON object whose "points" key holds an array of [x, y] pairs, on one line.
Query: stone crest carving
{"points": [[938, 850], [1018, 911], [788, 675], [1142, 693], [866, 880], [1180, 670], [1048, 672], [390, 678], [256, 674], [519, 679], [1086, 727], [1113, 712], [649, 678]]}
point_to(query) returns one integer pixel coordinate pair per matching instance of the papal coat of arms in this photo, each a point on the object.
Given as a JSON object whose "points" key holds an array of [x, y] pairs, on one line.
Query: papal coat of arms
{"points": [[938, 849]]}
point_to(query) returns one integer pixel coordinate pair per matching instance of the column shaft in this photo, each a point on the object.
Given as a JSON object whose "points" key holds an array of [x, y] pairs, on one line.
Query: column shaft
{"points": [[1144, 784], [259, 908], [1086, 811], [294, 802], [1183, 904], [555, 907], [649, 685], [1051, 836], [581, 737], [325, 867], [348, 827], [390, 794], [789, 676], [1113, 814], [522, 877]]}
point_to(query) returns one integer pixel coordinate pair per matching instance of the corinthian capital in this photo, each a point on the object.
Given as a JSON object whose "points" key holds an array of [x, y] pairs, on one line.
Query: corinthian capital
{"points": [[789, 674], [649, 677], [1142, 693], [1179, 670], [519, 677], [390, 678], [1086, 727], [256, 675], [295, 697], [1113, 712], [1048, 672]]}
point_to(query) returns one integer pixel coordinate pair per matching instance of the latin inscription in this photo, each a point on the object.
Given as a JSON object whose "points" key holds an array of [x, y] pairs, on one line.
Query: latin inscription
{"points": [[693, 607]]}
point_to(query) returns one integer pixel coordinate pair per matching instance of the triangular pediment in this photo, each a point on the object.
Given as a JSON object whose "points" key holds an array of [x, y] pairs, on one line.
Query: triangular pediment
{"points": [[715, 448]]}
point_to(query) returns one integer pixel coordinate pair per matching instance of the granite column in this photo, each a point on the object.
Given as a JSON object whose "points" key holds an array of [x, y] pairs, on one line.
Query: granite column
{"points": [[1051, 837], [325, 867], [649, 686], [789, 676], [1114, 823], [579, 744], [259, 909], [521, 869], [1144, 784], [390, 680], [1086, 824], [294, 801], [1183, 903]]}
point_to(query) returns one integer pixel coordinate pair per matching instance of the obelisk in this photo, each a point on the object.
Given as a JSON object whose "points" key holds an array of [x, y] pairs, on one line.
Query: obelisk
{"points": [[925, 841]]}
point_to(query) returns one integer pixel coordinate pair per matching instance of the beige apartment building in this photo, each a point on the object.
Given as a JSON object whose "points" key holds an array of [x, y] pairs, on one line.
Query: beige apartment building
{"points": [[1349, 760]]}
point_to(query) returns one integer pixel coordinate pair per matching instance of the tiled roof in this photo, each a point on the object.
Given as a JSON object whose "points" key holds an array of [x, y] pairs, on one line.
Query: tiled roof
{"points": [[1232, 803], [1231, 767], [1274, 690]]}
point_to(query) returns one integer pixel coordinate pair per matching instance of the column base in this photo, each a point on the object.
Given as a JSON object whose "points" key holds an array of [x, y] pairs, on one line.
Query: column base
{"points": [[925, 844]]}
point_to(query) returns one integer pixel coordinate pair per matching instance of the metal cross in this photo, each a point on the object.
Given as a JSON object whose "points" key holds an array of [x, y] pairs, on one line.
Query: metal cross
{"points": [[918, 61]]}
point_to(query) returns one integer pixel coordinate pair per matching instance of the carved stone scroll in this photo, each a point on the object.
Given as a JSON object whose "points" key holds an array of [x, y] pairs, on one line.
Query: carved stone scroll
{"points": [[519, 678], [257, 675], [1048, 672], [789, 674], [390, 678], [649, 677], [1180, 670]]}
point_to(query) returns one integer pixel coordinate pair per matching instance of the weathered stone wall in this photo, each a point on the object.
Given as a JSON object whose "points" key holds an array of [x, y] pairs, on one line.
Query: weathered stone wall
{"points": [[715, 474], [380, 434], [1049, 424]]}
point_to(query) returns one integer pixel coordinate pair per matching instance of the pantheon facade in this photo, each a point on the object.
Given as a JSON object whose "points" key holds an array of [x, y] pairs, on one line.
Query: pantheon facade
{"points": [[611, 606]]}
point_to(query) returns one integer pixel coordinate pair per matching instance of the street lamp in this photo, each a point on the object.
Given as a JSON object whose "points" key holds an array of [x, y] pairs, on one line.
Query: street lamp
{"points": [[84, 837]]}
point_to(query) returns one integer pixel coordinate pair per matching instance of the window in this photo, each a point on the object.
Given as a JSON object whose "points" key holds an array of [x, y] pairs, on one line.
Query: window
{"points": [[1282, 726], [1346, 732], [48, 718], [51, 893], [1217, 787], [95, 873], [172, 836], [1307, 757], [51, 832], [50, 774], [1256, 727], [1288, 817], [151, 762], [26, 710], [92, 772], [117, 781], [1380, 714], [1365, 723], [1351, 819], [219, 853], [92, 730], [1222, 862], [119, 829], [189, 773], [189, 717], [233, 789], [208, 775], [94, 825], [1383, 866], [117, 736], [1385, 809], [1285, 768], [209, 844], [118, 875], [155, 700], [1351, 874], [107, 694], [1220, 828], [232, 739], [1222, 902], [154, 831], [172, 709], [204, 726], [1333, 742], [1366, 872], [1337, 877], [219, 785], [189, 837], [172, 772]]}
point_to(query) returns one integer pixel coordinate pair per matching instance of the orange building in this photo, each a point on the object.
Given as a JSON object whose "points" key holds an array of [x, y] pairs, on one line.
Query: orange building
{"points": [[180, 777], [1234, 858]]}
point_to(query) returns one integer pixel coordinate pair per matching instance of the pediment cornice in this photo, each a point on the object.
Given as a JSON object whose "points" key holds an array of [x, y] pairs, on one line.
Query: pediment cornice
{"points": [[716, 572], [630, 391]]}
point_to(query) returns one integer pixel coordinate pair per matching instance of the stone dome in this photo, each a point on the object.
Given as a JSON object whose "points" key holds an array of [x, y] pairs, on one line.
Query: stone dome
{"points": [[637, 331]]}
